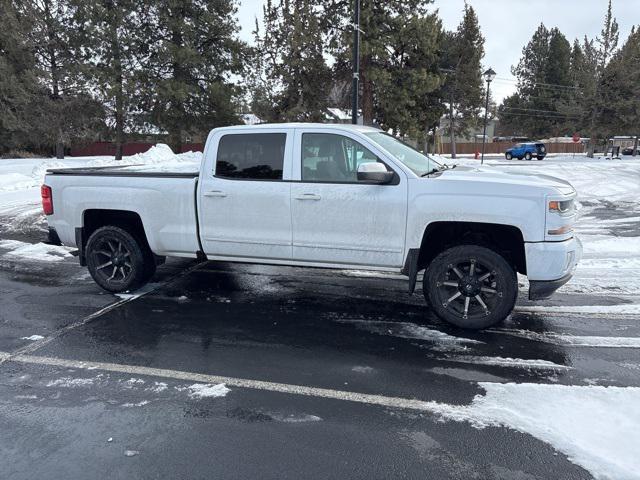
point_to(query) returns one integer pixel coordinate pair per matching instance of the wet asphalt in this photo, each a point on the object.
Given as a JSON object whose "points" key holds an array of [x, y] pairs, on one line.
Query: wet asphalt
{"points": [[343, 331]]}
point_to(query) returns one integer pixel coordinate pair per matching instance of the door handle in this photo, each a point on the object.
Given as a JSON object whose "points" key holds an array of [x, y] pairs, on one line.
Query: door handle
{"points": [[308, 196], [214, 193]]}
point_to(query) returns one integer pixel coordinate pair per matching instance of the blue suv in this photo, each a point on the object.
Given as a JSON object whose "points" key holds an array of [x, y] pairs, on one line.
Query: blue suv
{"points": [[526, 151]]}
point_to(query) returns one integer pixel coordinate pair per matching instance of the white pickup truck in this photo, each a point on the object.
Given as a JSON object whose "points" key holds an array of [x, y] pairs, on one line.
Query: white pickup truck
{"points": [[333, 196]]}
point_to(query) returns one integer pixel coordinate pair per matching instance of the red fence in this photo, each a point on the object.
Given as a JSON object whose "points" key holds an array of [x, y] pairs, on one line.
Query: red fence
{"points": [[109, 148], [501, 147]]}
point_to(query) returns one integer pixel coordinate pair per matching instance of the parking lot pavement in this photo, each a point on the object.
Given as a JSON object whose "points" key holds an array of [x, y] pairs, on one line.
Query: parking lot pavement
{"points": [[224, 370]]}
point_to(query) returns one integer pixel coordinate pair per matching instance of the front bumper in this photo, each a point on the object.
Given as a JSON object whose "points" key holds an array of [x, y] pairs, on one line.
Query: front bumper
{"points": [[539, 290], [550, 265]]}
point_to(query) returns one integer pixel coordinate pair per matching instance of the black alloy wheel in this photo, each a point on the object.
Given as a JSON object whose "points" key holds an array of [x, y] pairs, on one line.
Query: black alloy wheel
{"points": [[117, 261], [470, 286]]}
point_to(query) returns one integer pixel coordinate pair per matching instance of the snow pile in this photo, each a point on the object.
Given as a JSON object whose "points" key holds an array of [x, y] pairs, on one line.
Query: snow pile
{"points": [[508, 362], [207, 390], [410, 331], [573, 340], [596, 427], [33, 338], [39, 252], [69, 382]]}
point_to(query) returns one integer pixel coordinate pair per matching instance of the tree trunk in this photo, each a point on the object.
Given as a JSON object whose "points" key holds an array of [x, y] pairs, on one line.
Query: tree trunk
{"points": [[175, 140], [426, 138], [635, 146], [452, 130], [367, 93]]}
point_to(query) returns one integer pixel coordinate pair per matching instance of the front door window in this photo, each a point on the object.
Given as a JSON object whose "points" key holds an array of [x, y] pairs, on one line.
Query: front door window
{"points": [[332, 158]]}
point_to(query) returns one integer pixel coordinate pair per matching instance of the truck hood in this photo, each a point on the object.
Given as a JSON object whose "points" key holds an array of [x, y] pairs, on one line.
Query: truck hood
{"points": [[491, 175]]}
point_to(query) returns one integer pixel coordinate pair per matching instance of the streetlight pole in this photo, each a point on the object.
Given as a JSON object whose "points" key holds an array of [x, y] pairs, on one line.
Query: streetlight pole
{"points": [[489, 75], [356, 63]]}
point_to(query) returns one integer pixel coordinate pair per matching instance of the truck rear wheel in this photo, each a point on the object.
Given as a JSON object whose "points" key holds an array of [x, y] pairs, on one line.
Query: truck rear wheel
{"points": [[117, 260], [470, 286]]}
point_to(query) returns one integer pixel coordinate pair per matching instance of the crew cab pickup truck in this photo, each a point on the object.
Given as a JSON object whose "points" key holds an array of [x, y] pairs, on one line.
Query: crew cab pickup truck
{"points": [[333, 196]]}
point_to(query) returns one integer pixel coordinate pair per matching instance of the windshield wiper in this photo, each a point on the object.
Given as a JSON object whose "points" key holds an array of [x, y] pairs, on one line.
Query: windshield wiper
{"points": [[441, 168], [432, 171]]}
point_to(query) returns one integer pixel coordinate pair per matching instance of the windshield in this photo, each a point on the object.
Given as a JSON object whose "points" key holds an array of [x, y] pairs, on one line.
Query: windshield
{"points": [[413, 159]]}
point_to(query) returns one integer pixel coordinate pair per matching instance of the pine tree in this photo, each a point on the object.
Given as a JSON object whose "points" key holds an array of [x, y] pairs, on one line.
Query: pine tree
{"points": [[193, 52], [608, 39], [69, 114], [18, 80], [464, 90], [606, 45], [619, 108], [113, 35], [294, 79], [545, 90]]}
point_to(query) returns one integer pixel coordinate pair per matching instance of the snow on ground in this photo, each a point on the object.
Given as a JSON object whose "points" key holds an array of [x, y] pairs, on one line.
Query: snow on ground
{"points": [[507, 362], [207, 390], [596, 427], [39, 252]]}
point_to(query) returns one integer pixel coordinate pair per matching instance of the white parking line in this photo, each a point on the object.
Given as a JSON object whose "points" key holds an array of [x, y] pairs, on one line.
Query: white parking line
{"points": [[393, 402]]}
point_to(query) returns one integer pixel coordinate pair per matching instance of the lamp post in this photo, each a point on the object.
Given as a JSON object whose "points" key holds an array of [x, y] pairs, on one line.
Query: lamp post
{"points": [[356, 62], [489, 75]]}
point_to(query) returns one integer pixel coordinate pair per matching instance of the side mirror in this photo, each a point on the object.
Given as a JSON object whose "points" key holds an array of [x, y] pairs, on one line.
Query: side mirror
{"points": [[374, 172]]}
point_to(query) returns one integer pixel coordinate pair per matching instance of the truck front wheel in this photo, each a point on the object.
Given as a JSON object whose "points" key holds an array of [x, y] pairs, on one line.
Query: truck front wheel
{"points": [[117, 260], [470, 286]]}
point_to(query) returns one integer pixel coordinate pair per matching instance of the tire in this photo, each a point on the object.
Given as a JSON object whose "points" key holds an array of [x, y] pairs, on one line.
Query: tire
{"points": [[117, 260], [527, 156], [450, 285], [508, 156]]}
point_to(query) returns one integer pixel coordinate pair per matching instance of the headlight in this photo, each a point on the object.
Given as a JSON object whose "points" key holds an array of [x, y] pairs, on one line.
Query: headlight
{"points": [[563, 207], [561, 214]]}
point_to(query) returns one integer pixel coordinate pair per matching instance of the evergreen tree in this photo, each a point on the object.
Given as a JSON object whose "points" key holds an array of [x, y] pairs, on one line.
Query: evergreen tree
{"points": [[608, 39], [293, 78], [606, 45], [545, 92], [18, 81], [464, 89], [113, 34], [70, 114], [193, 52], [619, 108]]}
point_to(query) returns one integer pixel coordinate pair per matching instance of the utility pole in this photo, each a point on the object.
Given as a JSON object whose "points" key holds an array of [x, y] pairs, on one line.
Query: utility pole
{"points": [[356, 63]]}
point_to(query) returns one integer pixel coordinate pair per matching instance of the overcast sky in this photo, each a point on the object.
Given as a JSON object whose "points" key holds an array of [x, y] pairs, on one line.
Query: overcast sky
{"points": [[507, 25]]}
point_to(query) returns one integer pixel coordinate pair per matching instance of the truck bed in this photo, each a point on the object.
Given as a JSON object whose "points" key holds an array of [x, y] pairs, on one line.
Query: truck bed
{"points": [[164, 200]]}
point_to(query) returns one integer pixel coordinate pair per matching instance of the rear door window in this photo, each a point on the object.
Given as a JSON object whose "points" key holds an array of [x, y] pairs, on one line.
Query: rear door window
{"points": [[251, 156]]}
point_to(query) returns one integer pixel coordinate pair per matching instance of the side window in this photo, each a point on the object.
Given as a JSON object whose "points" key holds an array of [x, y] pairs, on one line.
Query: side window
{"points": [[256, 156], [328, 157]]}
